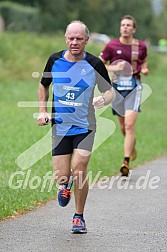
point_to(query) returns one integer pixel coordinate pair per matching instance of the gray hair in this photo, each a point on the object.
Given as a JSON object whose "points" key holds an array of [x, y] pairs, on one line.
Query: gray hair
{"points": [[82, 24]]}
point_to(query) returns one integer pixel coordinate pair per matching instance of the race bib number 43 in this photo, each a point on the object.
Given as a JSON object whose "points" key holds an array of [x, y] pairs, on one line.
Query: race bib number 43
{"points": [[72, 96]]}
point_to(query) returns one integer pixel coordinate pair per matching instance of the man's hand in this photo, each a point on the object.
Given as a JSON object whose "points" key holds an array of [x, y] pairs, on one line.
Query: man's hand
{"points": [[43, 119], [145, 71], [117, 66], [98, 102], [121, 67]]}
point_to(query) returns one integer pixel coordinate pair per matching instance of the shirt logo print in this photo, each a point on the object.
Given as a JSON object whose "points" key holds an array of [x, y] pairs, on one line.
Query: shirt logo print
{"points": [[83, 72], [119, 52]]}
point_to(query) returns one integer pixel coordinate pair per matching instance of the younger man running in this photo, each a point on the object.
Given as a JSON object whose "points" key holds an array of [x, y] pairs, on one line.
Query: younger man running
{"points": [[126, 57]]}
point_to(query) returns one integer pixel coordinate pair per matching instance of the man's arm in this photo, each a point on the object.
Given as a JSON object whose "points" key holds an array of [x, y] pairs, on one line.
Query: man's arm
{"points": [[105, 63], [108, 96], [144, 67], [103, 100], [114, 67], [43, 96]]}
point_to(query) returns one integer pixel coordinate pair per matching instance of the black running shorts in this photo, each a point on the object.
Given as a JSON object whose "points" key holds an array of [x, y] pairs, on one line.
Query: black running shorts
{"points": [[62, 145]]}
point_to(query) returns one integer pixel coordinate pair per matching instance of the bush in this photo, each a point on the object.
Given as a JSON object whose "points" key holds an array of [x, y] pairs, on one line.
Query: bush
{"points": [[19, 18]]}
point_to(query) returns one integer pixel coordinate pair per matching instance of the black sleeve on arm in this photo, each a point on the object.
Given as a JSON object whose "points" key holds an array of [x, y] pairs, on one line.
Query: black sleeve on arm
{"points": [[47, 75], [102, 77]]}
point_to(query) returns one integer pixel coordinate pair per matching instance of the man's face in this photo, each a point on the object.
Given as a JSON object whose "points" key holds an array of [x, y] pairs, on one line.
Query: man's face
{"points": [[76, 39], [126, 28]]}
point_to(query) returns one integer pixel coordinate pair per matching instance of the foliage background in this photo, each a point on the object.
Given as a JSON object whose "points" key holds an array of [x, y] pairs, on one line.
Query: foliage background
{"points": [[101, 16]]}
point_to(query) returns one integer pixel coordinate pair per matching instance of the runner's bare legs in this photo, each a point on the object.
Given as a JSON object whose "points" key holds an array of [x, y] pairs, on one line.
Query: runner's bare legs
{"points": [[79, 168], [127, 126], [63, 164]]}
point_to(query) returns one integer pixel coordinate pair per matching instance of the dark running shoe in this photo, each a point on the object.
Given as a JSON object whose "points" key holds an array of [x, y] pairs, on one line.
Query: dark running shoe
{"points": [[64, 193], [64, 196], [79, 226], [124, 170]]}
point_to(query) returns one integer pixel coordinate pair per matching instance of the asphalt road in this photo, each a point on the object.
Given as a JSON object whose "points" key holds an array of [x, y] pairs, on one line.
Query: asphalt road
{"points": [[129, 215]]}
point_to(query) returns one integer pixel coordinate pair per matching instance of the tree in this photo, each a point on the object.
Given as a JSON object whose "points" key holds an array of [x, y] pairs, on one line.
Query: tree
{"points": [[160, 21], [32, 3], [141, 10], [102, 16]]}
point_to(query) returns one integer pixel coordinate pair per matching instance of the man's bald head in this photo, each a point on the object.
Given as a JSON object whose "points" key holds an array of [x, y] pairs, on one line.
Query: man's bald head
{"points": [[76, 24]]}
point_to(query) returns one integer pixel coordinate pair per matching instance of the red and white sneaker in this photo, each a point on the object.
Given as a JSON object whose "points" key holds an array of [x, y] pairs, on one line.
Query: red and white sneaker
{"points": [[79, 226]]}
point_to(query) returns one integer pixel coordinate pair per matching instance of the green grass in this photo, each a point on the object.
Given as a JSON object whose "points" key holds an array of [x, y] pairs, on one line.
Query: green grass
{"points": [[19, 129]]}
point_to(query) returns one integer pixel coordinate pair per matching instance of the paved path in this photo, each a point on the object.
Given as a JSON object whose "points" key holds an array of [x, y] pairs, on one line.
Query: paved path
{"points": [[125, 216]]}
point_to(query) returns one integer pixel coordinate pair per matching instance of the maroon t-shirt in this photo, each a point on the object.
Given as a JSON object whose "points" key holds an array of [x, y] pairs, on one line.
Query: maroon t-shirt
{"points": [[115, 50]]}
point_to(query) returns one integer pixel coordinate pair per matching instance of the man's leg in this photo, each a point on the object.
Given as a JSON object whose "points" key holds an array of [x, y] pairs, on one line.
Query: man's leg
{"points": [[61, 167], [129, 141], [127, 125], [62, 172], [121, 120], [79, 169]]}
